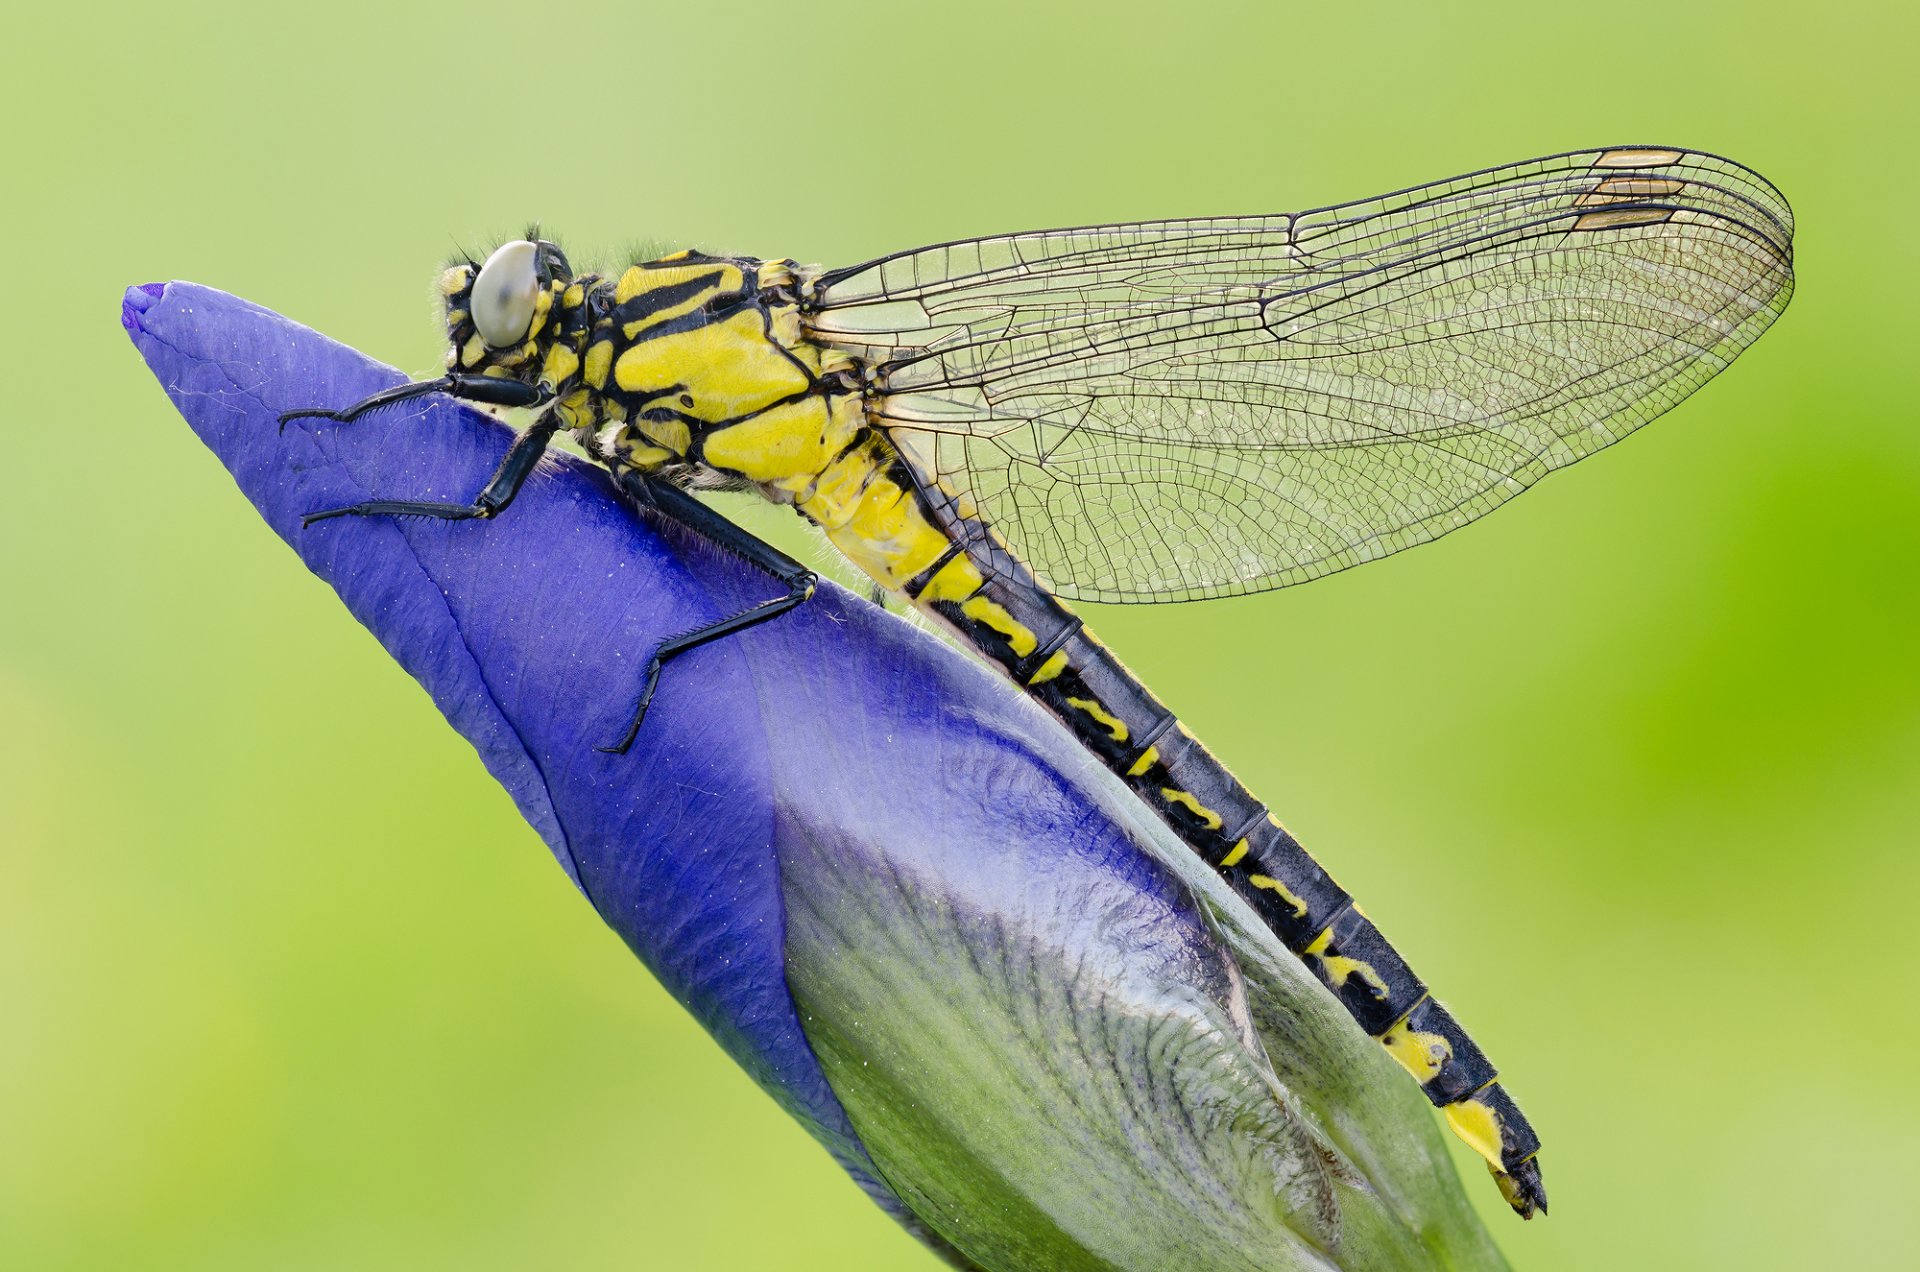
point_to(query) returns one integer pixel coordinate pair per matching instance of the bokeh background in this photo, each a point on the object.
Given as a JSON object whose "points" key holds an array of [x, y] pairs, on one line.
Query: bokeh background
{"points": [[1631, 769]]}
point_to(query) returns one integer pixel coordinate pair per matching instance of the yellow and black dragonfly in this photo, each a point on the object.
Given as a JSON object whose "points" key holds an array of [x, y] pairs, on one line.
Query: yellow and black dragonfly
{"points": [[1164, 411]]}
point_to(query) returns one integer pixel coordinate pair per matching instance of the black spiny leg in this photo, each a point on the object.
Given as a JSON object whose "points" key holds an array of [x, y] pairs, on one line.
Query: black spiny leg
{"points": [[682, 507], [500, 489], [472, 388]]}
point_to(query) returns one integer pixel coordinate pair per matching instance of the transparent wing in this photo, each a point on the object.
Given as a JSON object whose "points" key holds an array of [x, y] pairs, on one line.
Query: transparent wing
{"points": [[1186, 409]]}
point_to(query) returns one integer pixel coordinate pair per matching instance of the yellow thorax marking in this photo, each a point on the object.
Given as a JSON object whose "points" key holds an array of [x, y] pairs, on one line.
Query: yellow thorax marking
{"points": [[640, 279], [575, 409], [1148, 758], [674, 435], [562, 362], [791, 443], [599, 364], [725, 370]]}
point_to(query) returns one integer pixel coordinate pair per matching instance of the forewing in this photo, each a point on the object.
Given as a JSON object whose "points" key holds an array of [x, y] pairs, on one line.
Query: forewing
{"points": [[1187, 409]]}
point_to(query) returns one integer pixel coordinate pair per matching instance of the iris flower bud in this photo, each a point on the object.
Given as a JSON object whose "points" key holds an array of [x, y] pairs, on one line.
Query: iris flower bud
{"points": [[1017, 1011]]}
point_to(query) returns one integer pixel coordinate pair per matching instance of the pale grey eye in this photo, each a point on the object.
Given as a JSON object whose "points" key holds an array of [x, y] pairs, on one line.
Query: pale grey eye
{"points": [[504, 293]]}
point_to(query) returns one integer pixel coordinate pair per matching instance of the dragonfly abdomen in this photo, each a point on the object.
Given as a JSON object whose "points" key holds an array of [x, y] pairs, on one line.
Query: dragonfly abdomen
{"points": [[1047, 650]]}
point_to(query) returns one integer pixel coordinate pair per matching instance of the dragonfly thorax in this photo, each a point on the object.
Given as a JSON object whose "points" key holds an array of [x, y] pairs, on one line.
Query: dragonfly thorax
{"points": [[697, 365]]}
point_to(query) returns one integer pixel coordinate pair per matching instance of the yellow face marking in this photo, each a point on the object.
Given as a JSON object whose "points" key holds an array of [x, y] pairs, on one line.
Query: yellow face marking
{"points": [[1115, 727], [454, 279], [1637, 159], [473, 351], [1475, 1123], [1235, 855], [1340, 968], [1421, 1054], [1052, 668], [1148, 758], [1207, 816], [1279, 889]]}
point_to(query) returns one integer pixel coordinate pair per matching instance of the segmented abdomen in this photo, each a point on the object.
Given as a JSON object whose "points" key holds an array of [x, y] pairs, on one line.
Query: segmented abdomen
{"points": [[1049, 653]]}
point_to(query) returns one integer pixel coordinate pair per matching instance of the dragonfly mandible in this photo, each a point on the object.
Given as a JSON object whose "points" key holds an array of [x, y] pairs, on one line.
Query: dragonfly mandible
{"points": [[1162, 411]]}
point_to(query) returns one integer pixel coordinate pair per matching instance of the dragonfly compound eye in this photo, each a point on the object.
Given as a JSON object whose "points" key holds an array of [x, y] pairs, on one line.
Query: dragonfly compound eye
{"points": [[504, 294]]}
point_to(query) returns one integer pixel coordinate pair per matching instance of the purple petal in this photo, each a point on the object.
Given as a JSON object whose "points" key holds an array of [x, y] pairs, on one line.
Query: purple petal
{"points": [[530, 634]]}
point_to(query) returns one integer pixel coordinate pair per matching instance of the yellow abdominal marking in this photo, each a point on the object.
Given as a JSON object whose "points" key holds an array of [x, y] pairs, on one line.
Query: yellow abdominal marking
{"points": [[1115, 727], [1475, 1123], [1340, 967], [990, 613], [1421, 1054], [1274, 886], [882, 529], [1210, 818], [1053, 667]]}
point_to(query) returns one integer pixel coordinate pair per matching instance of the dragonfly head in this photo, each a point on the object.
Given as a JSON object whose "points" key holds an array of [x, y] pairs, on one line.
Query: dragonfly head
{"points": [[501, 315]]}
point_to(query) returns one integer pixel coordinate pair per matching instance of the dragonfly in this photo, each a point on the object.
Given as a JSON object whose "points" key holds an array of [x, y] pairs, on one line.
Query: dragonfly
{"points": [[1161, 411]]}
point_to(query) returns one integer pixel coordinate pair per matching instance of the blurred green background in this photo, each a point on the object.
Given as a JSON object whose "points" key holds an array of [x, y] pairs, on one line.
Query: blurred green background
{"points": [[1631, 770]]}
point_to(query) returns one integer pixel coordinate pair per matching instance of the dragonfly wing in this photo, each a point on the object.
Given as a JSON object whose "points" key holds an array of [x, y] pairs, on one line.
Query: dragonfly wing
{"points": [[1186, 409]]}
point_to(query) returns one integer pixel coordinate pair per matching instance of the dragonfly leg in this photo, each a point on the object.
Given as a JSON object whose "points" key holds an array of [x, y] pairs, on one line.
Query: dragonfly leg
{"points": [[679, 506], [499, 491], [472, 388]]}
